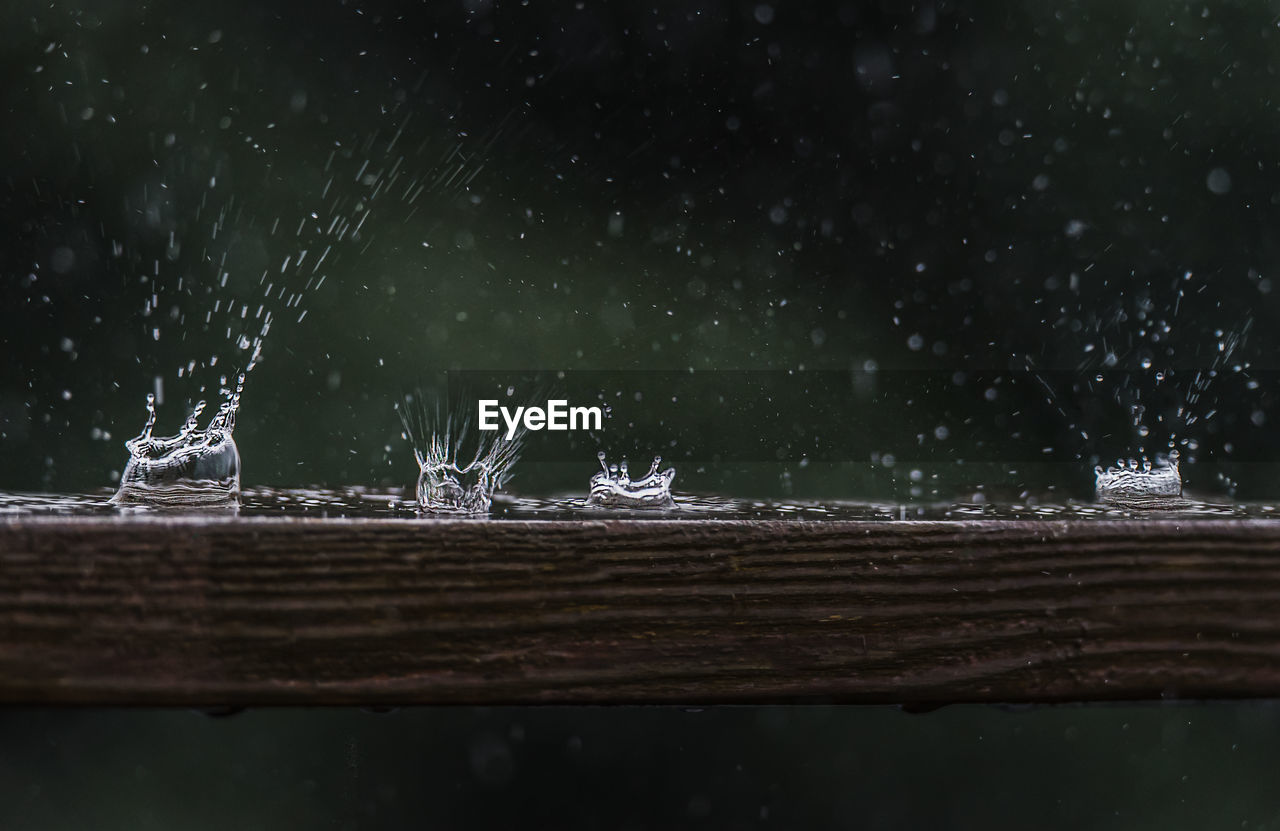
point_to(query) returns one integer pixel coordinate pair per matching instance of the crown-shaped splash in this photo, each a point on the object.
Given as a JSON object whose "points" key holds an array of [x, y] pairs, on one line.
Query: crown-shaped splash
{"points": [[1132, 481], [447, 487], [613, 486], [194, 467]]}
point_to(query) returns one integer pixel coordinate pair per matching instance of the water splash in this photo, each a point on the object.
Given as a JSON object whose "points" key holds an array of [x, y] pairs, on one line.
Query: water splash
{"points": [[613, 487], [1139, 481], [446, 487], [194, 467]]}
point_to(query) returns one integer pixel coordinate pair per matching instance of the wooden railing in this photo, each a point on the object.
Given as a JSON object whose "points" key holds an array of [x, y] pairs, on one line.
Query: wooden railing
{"points": [[256, 611]]}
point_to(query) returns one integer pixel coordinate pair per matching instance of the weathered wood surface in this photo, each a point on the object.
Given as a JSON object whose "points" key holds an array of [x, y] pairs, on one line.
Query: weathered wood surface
{"points": [[194, 611]]}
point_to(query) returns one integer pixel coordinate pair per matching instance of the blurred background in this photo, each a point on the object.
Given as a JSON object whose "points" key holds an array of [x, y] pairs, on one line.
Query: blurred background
{"points": [[958, 246], [1122, 767]]}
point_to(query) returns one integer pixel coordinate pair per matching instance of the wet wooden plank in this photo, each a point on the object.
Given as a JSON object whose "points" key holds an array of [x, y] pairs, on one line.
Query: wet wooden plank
{"points": [[240, 611]]}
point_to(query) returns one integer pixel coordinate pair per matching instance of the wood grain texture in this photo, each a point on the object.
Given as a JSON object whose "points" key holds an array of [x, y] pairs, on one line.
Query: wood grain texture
{"points": [[254, 611]]}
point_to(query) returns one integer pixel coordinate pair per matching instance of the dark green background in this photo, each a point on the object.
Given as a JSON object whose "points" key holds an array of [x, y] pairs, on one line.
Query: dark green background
{"points": [[1121, 767], [623, 187]]}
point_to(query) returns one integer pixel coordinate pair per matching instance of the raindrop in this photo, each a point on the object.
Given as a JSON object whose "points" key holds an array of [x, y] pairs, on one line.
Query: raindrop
{"points": [[1219, 181]]}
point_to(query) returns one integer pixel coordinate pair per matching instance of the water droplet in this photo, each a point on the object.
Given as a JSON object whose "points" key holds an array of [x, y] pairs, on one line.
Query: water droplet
{"points": [[1218, 181]]}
